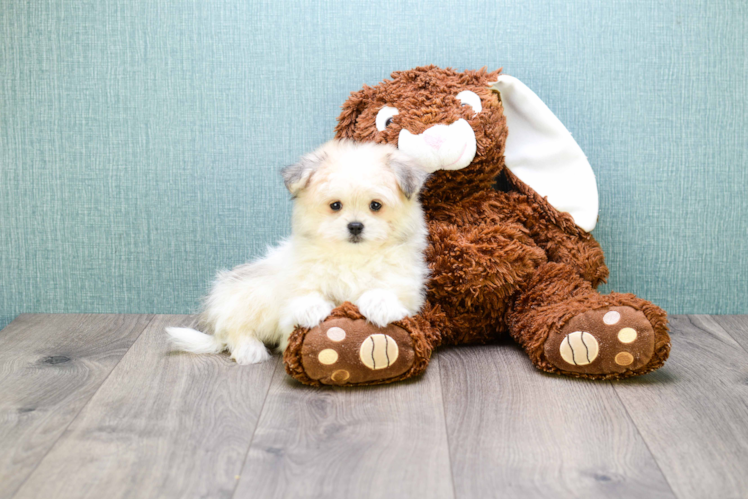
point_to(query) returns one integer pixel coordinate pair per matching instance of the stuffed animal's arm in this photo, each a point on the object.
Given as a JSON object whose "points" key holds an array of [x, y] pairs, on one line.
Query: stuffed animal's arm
{"points": [[479, 261], [563, 241], [581, 252]]}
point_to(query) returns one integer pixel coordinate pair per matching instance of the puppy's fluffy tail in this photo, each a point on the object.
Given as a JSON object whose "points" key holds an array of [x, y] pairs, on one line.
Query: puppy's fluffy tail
{"points": [[187, 339]]}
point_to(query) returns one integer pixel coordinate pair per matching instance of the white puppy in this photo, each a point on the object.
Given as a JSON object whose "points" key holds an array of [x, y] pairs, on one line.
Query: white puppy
{"points": [[358, 235]]}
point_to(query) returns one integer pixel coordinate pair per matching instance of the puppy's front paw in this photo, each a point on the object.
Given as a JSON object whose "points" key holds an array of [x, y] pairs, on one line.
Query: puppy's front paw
{"points": [[314, 314], [250, 351], [306, 311], [381, 307]]}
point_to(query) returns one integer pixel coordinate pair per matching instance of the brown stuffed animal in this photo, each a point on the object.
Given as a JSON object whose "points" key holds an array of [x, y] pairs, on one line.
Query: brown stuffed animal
{"points": [[509, 207]]}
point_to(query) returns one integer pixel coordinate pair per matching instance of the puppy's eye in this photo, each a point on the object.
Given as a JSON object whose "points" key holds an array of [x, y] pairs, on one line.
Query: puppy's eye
{"points": [[375, 206], [336, 205], [384, 117], [471, 99]]}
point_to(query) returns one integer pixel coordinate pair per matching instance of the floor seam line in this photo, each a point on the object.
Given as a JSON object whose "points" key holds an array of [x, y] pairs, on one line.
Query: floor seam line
{"points": [[646, 444], [446, 428], [254, 432], [690, 320]]}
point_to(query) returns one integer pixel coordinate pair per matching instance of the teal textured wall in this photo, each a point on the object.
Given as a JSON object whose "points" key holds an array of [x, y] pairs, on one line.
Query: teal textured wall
{"points": [[140, 139]]}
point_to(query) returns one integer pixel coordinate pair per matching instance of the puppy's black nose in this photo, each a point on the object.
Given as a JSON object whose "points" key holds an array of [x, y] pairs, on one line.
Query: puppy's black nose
{"points": [[355, 228]]}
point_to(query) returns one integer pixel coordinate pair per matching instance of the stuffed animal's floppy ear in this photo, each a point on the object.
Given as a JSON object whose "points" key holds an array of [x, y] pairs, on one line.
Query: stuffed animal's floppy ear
{"points": [[541, 152], [297, 176], [410, 175]]}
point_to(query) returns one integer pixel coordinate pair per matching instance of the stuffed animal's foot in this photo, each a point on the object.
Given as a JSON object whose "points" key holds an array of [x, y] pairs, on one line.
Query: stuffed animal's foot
{"points": [[348, 350], [343, 351], [611, 340]]}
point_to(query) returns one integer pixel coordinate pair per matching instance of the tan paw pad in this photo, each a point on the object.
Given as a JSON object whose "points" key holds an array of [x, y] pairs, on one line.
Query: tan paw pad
{"points": [[579, 348], [378, 351], [627, 335], [340, 376], [328, 356], [624, 358]]}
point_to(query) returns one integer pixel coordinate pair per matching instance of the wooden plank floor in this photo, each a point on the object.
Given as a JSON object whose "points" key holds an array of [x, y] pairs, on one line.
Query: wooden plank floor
{"points": [[98, 406]]}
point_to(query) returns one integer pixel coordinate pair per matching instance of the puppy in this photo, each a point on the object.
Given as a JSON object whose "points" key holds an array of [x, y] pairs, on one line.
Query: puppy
{"points": [[358, 235]]}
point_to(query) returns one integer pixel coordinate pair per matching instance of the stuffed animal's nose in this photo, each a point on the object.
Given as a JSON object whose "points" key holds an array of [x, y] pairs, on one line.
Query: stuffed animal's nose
{"points": [[355, 228], [434, 137]]}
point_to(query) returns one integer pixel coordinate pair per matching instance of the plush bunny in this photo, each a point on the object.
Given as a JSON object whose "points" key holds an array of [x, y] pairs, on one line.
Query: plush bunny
{"points": [[509, 206]]}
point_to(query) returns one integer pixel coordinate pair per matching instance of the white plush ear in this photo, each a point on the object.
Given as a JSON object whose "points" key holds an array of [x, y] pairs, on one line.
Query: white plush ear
{"points": [[543, 154]]}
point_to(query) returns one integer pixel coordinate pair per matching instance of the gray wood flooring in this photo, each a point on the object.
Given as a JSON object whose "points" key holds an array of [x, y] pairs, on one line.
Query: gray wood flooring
{"points": [[98, 406]]}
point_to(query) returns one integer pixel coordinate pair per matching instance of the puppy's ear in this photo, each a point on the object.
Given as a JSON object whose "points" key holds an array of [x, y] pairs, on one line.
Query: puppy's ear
{"points": [[297, 176], [410, 175]]}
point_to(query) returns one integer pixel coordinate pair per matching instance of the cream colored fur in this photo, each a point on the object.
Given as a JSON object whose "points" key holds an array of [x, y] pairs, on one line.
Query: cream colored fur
{"points": [[300, 281]]}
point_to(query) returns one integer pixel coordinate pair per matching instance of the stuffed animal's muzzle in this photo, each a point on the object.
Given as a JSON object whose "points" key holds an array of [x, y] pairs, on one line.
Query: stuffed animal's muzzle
{"points": [[441, 147]]}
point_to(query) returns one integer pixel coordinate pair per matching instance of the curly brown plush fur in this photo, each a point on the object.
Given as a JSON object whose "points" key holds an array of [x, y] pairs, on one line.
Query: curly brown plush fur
{"points": [[502, 260]]}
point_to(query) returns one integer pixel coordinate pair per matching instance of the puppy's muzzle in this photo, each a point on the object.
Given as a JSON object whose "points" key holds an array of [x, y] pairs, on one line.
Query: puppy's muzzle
{"points": [[355, 228]]}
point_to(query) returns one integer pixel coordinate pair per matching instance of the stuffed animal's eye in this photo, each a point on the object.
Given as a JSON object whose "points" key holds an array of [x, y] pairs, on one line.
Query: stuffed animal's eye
{"points": [[336, 205], [375, 206], [384, 117], [470, 99]]}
